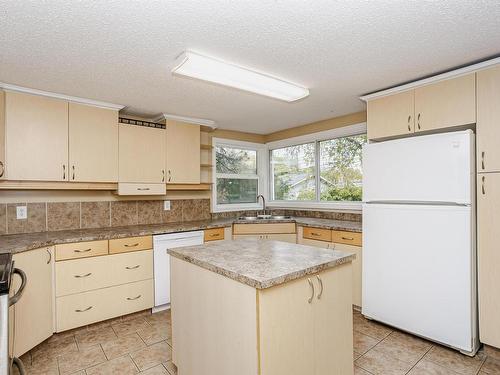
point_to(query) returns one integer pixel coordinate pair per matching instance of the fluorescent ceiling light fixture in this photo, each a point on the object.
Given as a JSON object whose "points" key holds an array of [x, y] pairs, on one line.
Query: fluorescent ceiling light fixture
{"points": [[208, 69]]}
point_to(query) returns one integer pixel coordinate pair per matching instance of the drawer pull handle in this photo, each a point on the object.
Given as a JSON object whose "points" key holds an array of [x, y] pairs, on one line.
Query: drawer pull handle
{"points": [[215, 235], [132, 245], [82, 251], [348, 238], [312, 291], [87, 309], [315, 234], [133, 268], [82, 276], [143, 189], [134, 298]]}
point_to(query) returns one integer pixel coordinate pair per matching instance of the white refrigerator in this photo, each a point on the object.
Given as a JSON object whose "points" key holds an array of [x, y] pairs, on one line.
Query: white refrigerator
{"points": [[419, 245]]}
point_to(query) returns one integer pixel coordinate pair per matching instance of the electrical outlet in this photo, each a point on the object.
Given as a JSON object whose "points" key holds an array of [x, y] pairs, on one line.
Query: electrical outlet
{"points": [[21, 212], [166, 205]]}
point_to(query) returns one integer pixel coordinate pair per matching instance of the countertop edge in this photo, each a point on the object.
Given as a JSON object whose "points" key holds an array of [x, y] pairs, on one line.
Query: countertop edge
{"points": [[257, 284]]}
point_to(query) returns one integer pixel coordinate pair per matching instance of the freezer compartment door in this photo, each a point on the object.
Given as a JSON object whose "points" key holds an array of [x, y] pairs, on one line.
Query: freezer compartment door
{"points": [[430, 168], [419, 271]]}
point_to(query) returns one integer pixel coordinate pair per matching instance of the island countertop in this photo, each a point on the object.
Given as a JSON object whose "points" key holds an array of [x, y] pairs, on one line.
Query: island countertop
{"points": [[261, 264]]}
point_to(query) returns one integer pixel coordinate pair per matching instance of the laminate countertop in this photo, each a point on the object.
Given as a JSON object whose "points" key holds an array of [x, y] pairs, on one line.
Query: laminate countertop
{"points": [[15, 243], [261, 264]]}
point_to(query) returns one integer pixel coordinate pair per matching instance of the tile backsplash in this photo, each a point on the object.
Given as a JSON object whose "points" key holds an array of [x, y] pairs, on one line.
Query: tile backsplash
{"points": [[332, 215], [52, 216]]}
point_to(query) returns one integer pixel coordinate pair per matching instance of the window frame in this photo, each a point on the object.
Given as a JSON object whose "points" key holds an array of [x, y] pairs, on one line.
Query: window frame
{"points": [[347, 131], [262, 172]]}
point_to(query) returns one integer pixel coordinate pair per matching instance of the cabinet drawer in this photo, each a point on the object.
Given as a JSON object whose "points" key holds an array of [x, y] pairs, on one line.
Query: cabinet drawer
{"points": [[125, 188], [214, 234], [318, 234], [130, 267], [81, 275], [125, 245], [348, 238], [85, 308], [81, 250], [263, 228]]}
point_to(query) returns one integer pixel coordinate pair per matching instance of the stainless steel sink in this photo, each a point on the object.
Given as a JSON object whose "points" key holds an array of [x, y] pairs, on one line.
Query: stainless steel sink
{"points": [[263, 217]]}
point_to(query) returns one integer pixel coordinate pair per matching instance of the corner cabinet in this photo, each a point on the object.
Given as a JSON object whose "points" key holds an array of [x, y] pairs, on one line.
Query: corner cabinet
{"points": [[141, 154], [183, 153], [32, 316], [36, 138], [93, 144], [444, 104]]}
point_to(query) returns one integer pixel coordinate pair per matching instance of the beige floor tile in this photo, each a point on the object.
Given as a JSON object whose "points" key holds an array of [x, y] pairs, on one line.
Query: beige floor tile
{"points": [[356, 355], [122, 345], [52, 348], [491, 352], [169, 341], [156, 332], [161, 316], [405, 347], [95, 337], [152, 355], [48, 367], [118, 366], [363, 343], [157, 370], [171, 368], [455, 361], [371, 328], [379, 363], [72, 362], [360, 371], [491, 366], [425, 367], [139, 314], [130, 326]]}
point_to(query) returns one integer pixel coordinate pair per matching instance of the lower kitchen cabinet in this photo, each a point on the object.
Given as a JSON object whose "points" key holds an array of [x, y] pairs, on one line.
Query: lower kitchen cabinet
{"points": [[283, 237], [343, 241], [285, 232], [488, 255], [32, 316]]}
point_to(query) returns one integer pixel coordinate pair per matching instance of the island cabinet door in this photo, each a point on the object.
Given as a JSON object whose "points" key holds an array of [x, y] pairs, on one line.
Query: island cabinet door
{"points": [[286, 321], [333, 340]]}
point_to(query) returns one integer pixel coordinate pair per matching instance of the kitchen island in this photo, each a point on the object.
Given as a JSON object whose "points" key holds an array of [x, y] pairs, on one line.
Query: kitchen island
{"points": [[251, 307]]}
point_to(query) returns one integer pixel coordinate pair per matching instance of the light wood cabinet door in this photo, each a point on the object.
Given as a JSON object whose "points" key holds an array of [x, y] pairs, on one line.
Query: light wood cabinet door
{"points": [[141, 154], [93, 144], [183, 153], [445, 104], [488, 254], [391, 115], [36, 138], [333, 322], [283, 348], [33, 313], [2, 134], [488, 120], [357, 270]]}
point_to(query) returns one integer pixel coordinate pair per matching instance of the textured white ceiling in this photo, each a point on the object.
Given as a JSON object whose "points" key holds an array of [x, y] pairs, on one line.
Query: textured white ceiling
{"points": [[122, 51]]}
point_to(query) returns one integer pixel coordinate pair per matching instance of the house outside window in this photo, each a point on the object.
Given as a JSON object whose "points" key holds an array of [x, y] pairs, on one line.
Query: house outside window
{"points": [[239, 174]]}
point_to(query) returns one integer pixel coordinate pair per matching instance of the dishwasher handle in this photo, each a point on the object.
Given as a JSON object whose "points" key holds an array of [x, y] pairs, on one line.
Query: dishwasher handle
{"points": [[13, 300]]}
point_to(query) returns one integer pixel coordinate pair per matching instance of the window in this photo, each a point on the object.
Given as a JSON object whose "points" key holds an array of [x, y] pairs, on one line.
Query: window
{"points": [[238, 175], [326, 170]]}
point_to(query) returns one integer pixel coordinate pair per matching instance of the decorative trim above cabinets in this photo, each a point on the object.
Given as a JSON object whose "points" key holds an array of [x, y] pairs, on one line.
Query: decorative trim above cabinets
{"points": [[187, 120], [429, 80], [74, 99]]}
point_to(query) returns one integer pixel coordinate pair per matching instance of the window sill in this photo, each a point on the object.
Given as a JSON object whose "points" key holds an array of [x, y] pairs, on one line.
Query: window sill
{"points": [[323, 206]]}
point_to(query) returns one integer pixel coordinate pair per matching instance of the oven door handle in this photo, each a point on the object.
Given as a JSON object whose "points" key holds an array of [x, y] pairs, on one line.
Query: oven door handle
{"points": [[19, 293], [19, 364]]}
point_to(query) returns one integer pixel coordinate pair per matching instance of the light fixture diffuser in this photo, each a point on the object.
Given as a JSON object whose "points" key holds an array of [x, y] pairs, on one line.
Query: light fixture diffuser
{"points": [[208, 69]]}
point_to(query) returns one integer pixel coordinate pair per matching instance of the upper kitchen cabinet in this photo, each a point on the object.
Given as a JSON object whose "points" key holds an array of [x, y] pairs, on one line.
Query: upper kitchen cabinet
{"points": [[183, 153], [2, 134], [391, 115], [36, 138], [93, 144], [488, 120], [142, 154], [447, 103]]}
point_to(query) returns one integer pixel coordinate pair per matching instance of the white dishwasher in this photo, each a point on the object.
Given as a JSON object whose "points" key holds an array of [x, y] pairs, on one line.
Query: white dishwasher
{"points": [[161, 243]]}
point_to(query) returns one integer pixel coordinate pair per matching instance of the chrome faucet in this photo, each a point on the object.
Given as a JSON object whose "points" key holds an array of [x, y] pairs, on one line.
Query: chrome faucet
{"points": [[263, 203]]}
